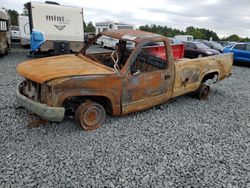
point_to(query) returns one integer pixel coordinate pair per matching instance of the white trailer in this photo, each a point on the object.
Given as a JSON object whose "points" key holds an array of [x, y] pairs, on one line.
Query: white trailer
{"points": [[62, 26], [104, 26], [184, 38], [24, 30]]}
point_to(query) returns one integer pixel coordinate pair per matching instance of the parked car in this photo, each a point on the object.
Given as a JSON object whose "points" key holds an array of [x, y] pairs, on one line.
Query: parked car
{"points": [[241, 51], [88, 37], [197, 49], [225, 43], [117, 82], [213, 45], [15, 34], [184, 37]]}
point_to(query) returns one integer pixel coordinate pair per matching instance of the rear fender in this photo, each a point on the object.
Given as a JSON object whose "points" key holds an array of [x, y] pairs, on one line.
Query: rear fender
{"points": [[210, 72]]}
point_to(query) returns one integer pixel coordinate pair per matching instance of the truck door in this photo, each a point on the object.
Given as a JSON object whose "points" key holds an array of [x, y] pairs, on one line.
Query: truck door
{"points": [[150, 78]]}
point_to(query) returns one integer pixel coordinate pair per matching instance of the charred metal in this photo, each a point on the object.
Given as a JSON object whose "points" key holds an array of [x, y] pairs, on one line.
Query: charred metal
{"points": [[119, 82]]}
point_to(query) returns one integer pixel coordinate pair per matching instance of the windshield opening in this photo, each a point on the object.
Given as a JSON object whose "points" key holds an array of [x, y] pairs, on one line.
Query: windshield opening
{"points": [[201, 45], [217, 45], [110, 51]]}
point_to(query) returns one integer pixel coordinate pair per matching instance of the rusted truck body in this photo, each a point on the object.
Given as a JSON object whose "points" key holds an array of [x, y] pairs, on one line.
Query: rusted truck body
{"points": [[119, 82]]}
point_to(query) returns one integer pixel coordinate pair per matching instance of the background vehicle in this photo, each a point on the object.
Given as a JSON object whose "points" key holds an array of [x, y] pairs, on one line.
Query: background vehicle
{"points": [[5, 41], [197, 49], [213, 45], [174, 40], [62, 27], [24, 30], [15, 34], [241, 51], [116, 82], [184, 38], [105, 26], [88, 37]]}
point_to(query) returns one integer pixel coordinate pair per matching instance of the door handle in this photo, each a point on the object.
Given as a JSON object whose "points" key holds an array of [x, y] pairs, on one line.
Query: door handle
{"points": [[167, 77]]}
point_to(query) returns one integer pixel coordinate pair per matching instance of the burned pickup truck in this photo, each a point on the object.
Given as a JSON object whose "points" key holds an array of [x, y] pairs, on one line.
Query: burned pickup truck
{"points": [[125, 80]]}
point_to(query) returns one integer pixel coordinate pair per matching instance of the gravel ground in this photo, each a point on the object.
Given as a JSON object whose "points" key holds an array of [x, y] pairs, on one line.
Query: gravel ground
{"points": [[182, 143]]}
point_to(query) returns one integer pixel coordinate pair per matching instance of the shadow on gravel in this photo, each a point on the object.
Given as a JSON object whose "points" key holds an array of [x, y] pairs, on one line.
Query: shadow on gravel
{"points": [[241, 64]]}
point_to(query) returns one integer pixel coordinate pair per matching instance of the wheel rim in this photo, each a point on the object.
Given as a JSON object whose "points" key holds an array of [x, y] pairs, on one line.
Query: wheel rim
{"points": [[204, 92], [90, 115]]}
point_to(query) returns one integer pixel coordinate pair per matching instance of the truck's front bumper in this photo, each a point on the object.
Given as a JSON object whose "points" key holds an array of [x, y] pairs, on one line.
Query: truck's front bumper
{"points": [[42, 110]]}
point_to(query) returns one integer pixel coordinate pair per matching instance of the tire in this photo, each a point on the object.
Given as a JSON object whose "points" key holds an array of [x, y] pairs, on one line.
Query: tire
{"points": [[202, 92], [102, 45], [90, 115], [5, 51], [200, 55]]}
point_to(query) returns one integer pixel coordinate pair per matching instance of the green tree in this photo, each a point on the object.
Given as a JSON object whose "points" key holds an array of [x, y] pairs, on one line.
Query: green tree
{"points": [[197, 33], [13, 16], [89, 27], [245, 39], [233, 38], [25, 9], [166, 31]]}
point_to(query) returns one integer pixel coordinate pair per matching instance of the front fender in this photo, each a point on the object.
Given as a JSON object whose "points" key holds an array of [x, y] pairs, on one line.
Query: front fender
{"points": [[115, 102]]}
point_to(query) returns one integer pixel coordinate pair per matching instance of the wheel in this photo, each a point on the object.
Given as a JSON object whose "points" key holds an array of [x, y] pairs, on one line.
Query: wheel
{"points": [[7, 49], [200, 55], [90, 115], [102, 45], [203, 91]]}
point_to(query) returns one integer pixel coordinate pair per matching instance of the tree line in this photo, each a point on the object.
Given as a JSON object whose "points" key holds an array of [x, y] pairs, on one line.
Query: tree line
{"points": [[198, 33]]}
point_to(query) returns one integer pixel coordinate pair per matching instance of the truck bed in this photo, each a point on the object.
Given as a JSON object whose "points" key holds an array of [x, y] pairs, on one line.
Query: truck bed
{"points": [[190, 73]]}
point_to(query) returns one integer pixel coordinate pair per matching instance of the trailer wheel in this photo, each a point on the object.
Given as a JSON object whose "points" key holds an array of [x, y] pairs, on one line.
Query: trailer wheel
{"points": [[102, 45], [7, 49], [202, 92], [90, 115]]}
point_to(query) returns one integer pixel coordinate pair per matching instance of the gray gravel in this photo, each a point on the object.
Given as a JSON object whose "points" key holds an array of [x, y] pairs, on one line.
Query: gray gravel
{"points": [[182, 143]]}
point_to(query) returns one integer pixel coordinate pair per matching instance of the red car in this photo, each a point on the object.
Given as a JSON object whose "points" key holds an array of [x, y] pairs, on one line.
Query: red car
{"points": [[198, 49]]}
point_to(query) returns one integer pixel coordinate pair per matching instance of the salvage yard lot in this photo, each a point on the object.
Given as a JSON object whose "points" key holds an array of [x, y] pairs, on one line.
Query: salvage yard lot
{"points": [[184, 142]]}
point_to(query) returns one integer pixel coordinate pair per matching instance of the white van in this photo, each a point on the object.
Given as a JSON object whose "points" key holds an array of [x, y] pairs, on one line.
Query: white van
{"points": [[62, 26], [104, 26], [24, 30], [184, 38]]}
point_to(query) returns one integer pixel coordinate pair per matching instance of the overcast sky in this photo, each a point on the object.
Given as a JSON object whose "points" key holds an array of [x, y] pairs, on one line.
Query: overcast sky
{"points": [[225, 17]]}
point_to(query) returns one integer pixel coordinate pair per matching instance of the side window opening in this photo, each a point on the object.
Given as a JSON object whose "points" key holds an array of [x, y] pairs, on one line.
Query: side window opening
{"points": [[248, 47], [192, 46], [152, 57], [240, 47]]}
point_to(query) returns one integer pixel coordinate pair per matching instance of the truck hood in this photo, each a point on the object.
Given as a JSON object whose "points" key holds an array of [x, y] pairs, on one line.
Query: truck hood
{"points": [[45, 69]]}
